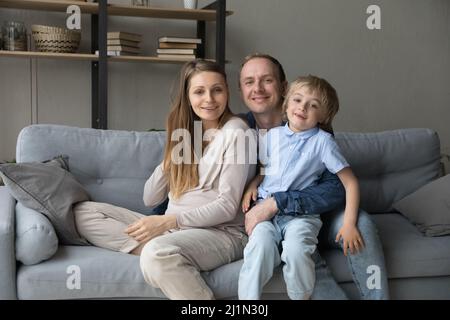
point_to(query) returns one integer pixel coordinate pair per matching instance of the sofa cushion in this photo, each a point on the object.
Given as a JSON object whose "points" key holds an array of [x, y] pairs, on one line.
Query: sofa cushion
{"points": [[48, 188], [107, 274], [36, 239], [112, 165], [101, 273], [408, 253], [429, 207], [391, 164]]}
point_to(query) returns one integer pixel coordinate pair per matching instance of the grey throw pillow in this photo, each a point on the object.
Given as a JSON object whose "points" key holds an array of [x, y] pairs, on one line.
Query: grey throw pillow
{"points": [[49, 188], [429, 207]]}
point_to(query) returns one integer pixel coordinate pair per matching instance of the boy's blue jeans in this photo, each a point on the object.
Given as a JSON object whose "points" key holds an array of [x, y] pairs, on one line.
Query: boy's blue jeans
{"points": [[298, 239]]}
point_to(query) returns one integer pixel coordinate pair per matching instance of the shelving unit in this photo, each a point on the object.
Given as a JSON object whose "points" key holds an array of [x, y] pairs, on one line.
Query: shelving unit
{"points": [[99, 16]]}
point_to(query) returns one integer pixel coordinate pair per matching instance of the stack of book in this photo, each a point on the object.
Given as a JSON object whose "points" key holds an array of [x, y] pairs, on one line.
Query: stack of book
{"points": [[178, 48], [123, 43]]}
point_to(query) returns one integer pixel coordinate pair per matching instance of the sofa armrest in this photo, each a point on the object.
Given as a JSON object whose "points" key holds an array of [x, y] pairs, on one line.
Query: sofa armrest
{"points": [[7, 254]]}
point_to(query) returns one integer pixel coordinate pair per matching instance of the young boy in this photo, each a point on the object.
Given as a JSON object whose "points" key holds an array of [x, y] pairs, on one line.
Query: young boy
{"points": [[298, 153]]}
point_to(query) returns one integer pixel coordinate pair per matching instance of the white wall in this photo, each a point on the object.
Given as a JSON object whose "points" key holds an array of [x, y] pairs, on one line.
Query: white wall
{"points": [[396, 77]]}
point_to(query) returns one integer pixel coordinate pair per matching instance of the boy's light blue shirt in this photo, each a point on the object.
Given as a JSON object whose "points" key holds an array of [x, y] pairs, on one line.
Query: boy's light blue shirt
{"points": [[296, 160]]}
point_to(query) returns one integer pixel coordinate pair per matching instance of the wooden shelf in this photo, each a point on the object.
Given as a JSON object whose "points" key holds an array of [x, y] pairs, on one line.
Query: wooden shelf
{"points": [[147, 59], [114, 10], [163, 13], [49, 5], [51, 55], [88, 57]]}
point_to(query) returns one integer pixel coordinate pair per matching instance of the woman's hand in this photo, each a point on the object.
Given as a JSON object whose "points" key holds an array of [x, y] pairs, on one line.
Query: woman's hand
{"points": [[351, 238], [150, 227], [250, 194]]}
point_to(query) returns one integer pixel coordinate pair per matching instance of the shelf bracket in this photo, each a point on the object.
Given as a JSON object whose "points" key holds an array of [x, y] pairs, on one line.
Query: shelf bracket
{"points": [[201, 34], [99, 71], [220, 7], [220, 32]]}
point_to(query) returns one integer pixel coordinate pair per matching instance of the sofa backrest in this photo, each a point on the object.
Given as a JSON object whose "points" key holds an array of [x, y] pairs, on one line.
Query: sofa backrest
{"points": [[114, 165], [391, 164]]}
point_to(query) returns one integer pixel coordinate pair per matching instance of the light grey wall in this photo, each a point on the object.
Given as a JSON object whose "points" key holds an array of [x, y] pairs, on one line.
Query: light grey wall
{"points": [[396, 77]]}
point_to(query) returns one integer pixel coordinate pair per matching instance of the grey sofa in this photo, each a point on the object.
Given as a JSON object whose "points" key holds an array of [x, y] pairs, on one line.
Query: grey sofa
{"points": [[113, 166]]}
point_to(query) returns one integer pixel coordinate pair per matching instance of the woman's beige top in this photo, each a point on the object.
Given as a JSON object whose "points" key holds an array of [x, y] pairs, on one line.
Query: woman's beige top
{"points": [[224, 170]]}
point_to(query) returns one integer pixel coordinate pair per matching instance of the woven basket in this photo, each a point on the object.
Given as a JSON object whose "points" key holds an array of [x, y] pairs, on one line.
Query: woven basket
{"points": [[54, 39]]}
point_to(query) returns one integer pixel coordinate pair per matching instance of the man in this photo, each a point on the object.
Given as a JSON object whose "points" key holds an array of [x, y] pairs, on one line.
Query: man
{"points": [[262, 82]]}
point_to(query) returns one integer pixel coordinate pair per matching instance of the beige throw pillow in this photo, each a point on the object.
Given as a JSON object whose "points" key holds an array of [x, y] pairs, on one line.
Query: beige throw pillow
{"points": [[429, 207]]}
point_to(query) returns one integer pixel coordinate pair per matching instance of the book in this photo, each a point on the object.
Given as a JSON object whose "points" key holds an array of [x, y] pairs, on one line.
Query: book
{"points": [[124, 36], [177, 45], [114, 53], [180, 39], [120, 53], [186, 57], [119, 42], [124, 48], [176, 51]]}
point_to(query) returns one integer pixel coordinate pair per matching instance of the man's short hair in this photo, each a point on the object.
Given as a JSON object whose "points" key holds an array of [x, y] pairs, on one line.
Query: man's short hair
{"points": [[279, 67]]}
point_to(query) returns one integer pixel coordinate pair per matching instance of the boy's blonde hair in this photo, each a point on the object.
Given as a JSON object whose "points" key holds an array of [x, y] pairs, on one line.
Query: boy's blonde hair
{"points": [[327, 95]]}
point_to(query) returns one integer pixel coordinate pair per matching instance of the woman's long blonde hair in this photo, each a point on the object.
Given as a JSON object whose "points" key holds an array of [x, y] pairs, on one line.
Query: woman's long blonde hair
{"points": [[184, 176]]}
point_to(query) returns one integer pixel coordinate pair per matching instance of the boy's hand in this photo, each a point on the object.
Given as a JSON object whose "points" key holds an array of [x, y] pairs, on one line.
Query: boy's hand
{"points": [[250, 194], [351, 239]]}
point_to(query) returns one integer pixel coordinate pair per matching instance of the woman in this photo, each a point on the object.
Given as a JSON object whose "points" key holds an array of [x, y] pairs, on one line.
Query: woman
{"points": [[202, 228]]}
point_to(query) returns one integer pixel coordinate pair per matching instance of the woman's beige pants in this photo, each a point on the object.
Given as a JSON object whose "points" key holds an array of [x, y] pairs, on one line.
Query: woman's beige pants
{"points": [[171, 262]]}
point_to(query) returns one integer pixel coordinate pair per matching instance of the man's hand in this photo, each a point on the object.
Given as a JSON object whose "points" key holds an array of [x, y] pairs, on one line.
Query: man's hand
{"points": [[150, 227], [263, 211]]}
